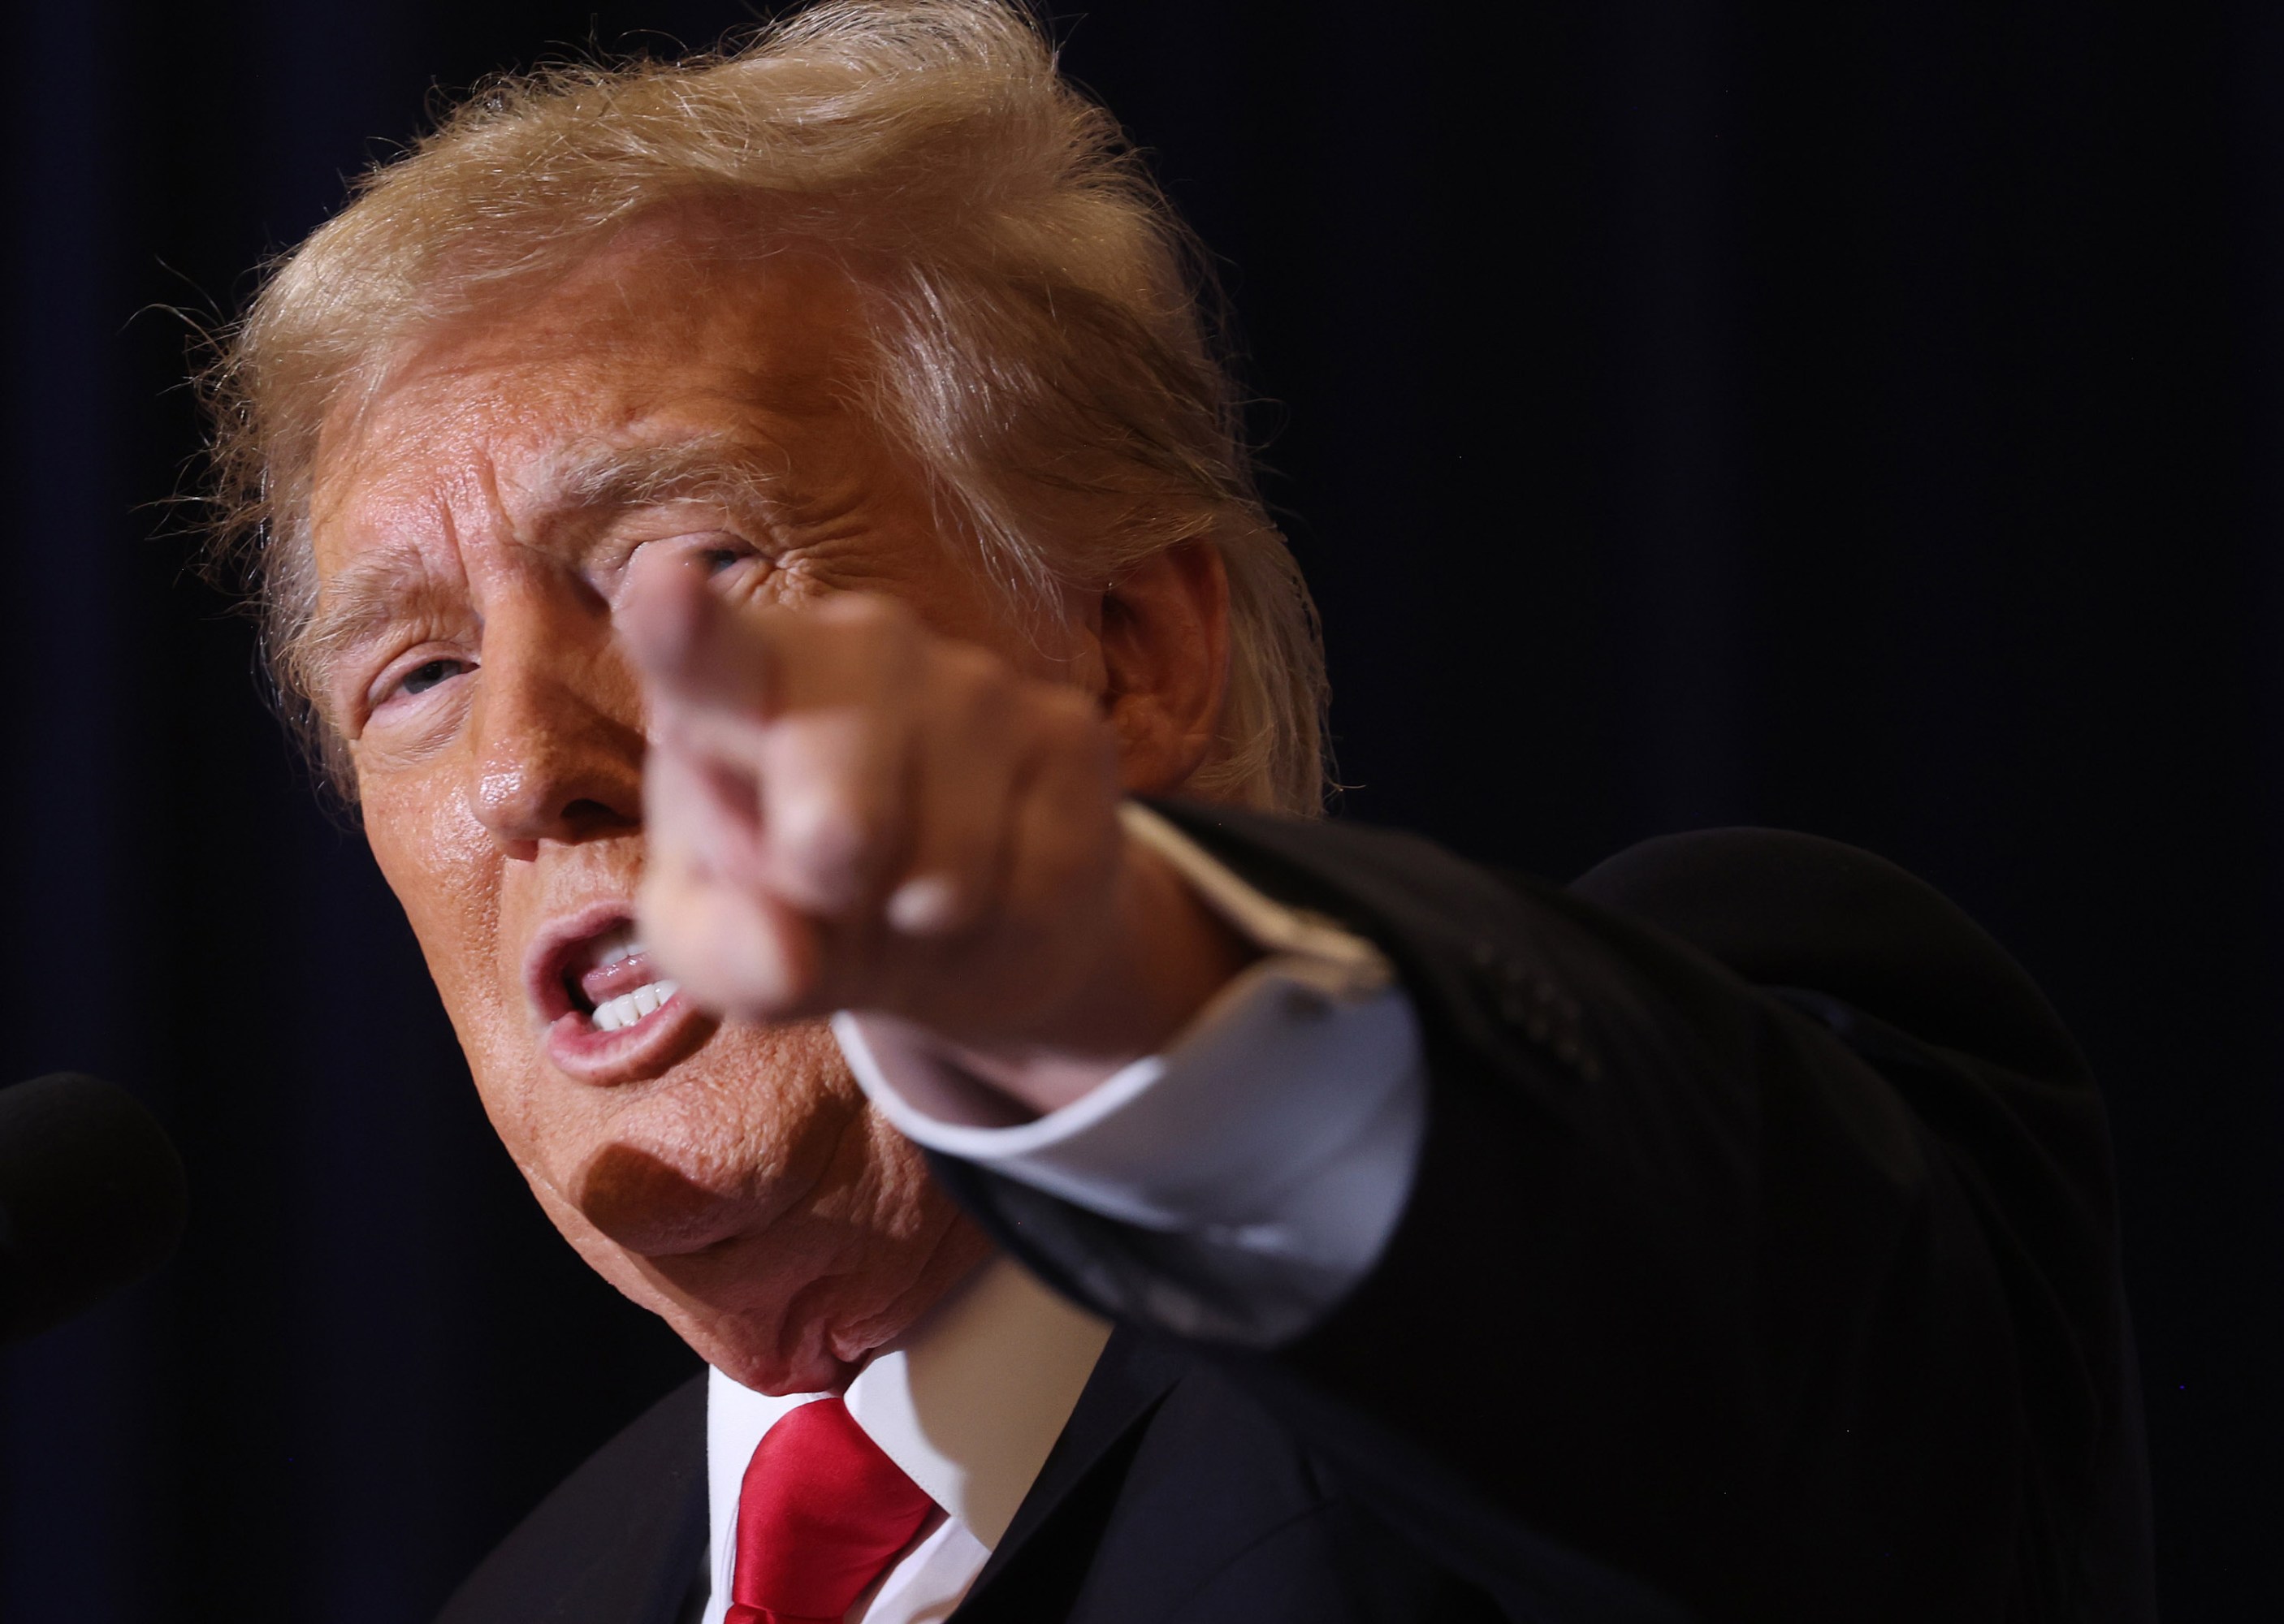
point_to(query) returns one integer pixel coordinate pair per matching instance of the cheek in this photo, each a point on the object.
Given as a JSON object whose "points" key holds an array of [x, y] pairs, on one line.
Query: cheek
{"points": [[446, 873], [754, 1117], [443, 868], [761, 1124]]}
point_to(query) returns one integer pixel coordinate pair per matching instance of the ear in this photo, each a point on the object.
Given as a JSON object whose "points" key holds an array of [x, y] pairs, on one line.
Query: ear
{"points": [[1163, 633]]}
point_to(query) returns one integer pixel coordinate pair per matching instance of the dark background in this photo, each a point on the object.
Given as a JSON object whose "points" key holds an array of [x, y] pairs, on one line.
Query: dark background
{"points": [[1860, 417]]}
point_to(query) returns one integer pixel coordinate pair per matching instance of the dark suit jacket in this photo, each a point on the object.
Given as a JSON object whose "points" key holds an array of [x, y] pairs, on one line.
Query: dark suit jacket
{"points": [[1761, 1266]]}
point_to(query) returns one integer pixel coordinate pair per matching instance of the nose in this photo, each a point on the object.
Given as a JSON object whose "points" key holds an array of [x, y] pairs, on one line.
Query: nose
{"points": [[558, 733]]}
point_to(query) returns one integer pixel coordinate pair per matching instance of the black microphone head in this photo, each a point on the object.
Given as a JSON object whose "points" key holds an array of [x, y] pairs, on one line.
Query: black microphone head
{"points": [[92, 1198]]}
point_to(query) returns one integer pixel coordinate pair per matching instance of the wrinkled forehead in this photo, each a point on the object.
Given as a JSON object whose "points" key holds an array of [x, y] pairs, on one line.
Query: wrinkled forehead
{"points": [[652, 337]]}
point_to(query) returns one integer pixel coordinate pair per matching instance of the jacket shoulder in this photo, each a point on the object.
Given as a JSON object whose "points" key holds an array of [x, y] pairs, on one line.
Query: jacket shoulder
{"points": [[1784, 909], [1776, 910], [619, 1542]]}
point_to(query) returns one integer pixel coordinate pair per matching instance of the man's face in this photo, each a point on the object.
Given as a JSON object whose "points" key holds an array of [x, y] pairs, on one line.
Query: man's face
{"points": [[473, 529]]}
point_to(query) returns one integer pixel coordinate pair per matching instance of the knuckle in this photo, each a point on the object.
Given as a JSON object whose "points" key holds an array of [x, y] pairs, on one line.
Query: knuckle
{"points": [[827, 830], [976, 684], [1057, 709], [861, 610], [1073, 726], [877, 622], [826, 845], [971, 669], [866, 639], [894, 646]]}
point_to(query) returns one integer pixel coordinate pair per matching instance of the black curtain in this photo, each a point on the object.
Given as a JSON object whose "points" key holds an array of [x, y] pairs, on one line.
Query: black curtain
{"points": [[1856, 418]]}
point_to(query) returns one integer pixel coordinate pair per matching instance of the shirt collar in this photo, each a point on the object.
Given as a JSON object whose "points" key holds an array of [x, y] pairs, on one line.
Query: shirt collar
{"points": [[968, 1404]]}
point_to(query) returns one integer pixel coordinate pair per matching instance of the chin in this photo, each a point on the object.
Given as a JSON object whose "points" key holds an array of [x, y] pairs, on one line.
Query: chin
{"points": [[778, 1377], [780, 1228], [753, 1346], [718, 1149], [655, 1208]]}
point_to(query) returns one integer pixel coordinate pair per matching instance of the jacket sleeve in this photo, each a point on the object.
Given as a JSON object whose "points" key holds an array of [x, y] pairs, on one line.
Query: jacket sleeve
{"points": [[1743, 1287]]}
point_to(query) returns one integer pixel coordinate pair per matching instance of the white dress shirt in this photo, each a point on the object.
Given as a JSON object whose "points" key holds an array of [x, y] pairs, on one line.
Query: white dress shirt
{"points": [[967, 1403], [1269, 1152]]}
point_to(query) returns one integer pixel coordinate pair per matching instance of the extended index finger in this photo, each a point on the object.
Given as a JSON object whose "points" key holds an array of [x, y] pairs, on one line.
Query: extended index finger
{"points": [[691, 648]]}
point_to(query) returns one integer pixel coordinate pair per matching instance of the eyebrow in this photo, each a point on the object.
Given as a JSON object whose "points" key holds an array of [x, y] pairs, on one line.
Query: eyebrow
{"points": [[391, 583], [358, 601], [701, 468]]}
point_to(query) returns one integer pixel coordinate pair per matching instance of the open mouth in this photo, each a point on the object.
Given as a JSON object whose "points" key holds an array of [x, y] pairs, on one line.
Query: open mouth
{"points": [[599, 976], [609, 980], [619, 987]]}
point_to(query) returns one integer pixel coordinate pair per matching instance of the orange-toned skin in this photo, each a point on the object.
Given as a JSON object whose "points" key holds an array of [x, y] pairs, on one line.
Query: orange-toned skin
{"points": [[502, 651]]}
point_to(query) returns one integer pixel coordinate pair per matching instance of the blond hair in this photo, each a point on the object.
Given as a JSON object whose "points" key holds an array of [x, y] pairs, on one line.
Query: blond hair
{"points": [[1036, 312]]}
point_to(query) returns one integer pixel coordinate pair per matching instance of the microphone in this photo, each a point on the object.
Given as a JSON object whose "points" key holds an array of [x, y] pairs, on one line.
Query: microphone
{"points": [[93, 1199]]}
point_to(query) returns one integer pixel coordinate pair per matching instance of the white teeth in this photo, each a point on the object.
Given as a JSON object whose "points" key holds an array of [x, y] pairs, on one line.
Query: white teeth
{"points": [[618, 954], [614, 1013]]}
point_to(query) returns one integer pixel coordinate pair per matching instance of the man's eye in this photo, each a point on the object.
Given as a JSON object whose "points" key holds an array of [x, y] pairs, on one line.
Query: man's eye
{"points": [[719, 558], [421, 679]]}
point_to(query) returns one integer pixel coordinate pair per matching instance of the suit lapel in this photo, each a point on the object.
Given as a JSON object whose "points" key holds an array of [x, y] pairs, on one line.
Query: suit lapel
{"points": [[621, 1541], [1031, 1578]]}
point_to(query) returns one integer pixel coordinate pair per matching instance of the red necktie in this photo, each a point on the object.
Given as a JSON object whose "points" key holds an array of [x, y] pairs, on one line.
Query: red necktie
{"points": [[821, 1512]]}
